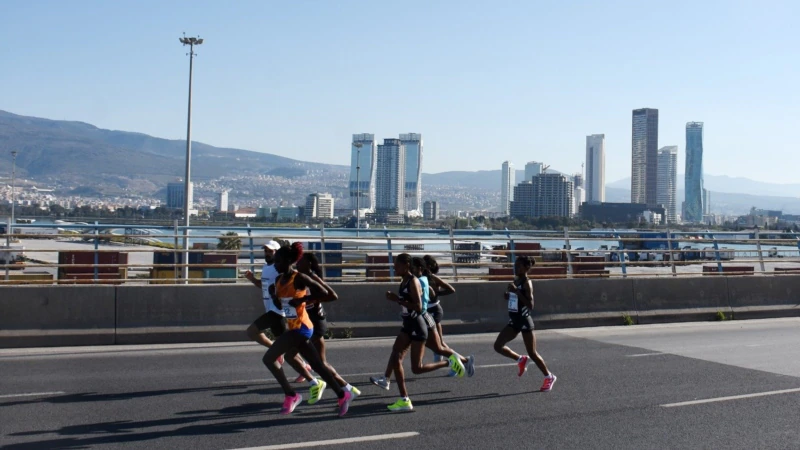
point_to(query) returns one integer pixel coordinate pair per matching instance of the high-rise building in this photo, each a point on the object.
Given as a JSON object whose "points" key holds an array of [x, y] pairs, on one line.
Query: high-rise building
{"points": [[413, 182], [430, 210], [668, 181], [577, 180], [319, 206], [706, 202], [390, 177], [596, 168], [222, 201], [175, 196], [532, 169], [546, 195], [579, 197], [506, 187], [694, 172], [644, 150], [363, 154]]}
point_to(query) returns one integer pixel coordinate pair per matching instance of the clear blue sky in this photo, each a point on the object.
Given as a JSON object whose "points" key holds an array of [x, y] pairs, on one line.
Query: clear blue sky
{"points": [[482, 81]]}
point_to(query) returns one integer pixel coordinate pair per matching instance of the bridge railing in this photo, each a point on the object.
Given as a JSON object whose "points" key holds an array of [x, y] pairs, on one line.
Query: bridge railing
{"points": [[85, 253]]}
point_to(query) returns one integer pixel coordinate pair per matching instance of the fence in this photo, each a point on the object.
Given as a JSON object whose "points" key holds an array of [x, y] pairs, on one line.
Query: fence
{"points": [[121, 253]]}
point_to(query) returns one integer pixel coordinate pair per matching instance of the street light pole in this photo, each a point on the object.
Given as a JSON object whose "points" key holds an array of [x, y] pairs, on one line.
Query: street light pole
{"points": [[13, 177], [191, 42], [358, 187]]}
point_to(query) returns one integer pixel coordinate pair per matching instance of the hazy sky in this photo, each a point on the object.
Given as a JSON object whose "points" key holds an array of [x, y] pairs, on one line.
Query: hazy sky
{"points": [[482, 81]]}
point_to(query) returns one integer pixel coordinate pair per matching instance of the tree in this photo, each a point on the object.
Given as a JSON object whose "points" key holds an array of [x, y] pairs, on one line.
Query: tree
{"points": [[230, 241]]}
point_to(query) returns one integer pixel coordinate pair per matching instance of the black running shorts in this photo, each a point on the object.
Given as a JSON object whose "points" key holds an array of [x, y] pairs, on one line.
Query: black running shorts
{"points": [[415, 327], [436, 312], [520, 323], [271, 321]]}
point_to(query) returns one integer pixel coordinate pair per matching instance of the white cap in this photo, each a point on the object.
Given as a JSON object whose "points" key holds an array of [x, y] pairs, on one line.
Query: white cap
{"points": [[272, 245]]}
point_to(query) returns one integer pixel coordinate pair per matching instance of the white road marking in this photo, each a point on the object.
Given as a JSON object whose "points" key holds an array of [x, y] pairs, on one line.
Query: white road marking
{"points": [[345, 375], [377, 437], [732, 397], [32, 394], [645, 354]]}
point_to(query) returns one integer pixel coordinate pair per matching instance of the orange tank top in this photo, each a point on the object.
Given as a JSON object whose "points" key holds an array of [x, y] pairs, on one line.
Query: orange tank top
{"points": [[285, 291]]}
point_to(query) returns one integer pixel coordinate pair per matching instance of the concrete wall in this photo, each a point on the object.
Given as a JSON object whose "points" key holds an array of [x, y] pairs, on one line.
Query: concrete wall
{"points": [[84, 315]]}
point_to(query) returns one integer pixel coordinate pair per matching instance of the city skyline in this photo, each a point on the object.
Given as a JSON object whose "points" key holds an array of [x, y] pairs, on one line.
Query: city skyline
{"points": [[236, 106]]}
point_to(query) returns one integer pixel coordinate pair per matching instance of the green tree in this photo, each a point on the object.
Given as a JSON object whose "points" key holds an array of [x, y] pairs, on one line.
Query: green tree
{"points": [[230, 241]]}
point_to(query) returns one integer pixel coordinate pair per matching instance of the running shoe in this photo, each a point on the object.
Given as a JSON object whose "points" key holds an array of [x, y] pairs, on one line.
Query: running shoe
{"points": [[302, 378], [456, 365], [381, 382], [344, 402], [354, 390], [523, 365], [290, 403], [549, 381], [316, 391], [470, 365], [401, 405], [452, 373]]}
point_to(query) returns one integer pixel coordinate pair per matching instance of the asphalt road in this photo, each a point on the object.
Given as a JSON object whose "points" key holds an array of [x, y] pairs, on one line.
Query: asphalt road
{"points": [[621, 387]]}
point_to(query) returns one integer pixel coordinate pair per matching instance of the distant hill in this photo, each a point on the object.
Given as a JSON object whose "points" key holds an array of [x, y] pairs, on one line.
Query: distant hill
{"points": [[724, 183], [484, 179], [76, 149]]}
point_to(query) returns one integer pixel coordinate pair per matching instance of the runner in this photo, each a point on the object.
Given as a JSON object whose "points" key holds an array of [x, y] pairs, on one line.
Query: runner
{"points": [[520, 306], [274, 319], [433, 342], [309, 266], [292, 291], [439, 288], [414, 334]]}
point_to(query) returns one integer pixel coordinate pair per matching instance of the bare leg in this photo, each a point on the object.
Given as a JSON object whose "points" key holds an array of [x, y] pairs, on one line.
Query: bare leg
{"points": [[441, 335], [296, 362], [530, 344], [286, 342], [417, 353], [310, 354], [435, 343], [319, 344], [401, 344], [507, 335]]}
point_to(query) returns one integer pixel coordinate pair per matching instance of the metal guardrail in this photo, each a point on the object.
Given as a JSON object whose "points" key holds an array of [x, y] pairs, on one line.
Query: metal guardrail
{"points": [[365, 255]]}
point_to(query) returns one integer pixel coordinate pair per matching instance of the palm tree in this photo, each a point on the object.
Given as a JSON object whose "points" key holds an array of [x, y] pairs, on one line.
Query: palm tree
{"points": [[230, 241]]}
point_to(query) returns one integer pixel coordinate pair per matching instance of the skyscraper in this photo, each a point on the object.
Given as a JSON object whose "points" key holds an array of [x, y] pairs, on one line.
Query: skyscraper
{"points": [[430, 210], [364, 157], [175, 195], [390, 176], [667, 182], [413, 179], [222, 201], [532, 169], [644, 167], [694, 172], [596, 168], [319, 206], [546, 195], [506, 187]]}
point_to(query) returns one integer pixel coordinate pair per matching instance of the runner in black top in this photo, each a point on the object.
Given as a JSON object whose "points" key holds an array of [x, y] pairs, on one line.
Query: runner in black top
{"points": [[439, 288], [309, 265], [519, 295]]}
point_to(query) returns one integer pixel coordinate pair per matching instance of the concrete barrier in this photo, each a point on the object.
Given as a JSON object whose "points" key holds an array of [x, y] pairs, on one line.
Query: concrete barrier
{"points": [[45, 316], [582, 302], [681, 299], [166, 314], [764, 297]]}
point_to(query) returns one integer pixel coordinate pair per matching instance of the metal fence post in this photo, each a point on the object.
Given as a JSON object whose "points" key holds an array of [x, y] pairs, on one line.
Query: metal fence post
{"points": [[716, 253], [322, 246], [758, 248], [569, 253], [453, 254], [671, 253], [252, 257], [96, 248], [389, 248], [175, 252]]}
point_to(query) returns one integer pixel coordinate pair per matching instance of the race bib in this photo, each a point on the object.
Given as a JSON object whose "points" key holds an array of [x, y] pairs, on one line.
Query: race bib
{"points": [[513, 302], [288, 310]]}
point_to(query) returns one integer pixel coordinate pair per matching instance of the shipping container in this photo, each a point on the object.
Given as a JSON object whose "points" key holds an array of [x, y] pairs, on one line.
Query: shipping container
{"points": [[86, 259], [334, 257]]}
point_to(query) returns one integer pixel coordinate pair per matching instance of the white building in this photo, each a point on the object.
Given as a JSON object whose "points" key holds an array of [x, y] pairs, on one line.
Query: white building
{"points": [[413, 176], [506, 187], [667, 182], [579, 196], [596, 168], [390, 177], [319, 206], [362, 171], [532, 169], [222, 201]]}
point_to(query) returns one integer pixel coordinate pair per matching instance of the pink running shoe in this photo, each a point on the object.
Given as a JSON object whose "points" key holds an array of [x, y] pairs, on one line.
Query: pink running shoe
{"points": [[344, 403], [549, 381], [523, 365], [290, 403]]}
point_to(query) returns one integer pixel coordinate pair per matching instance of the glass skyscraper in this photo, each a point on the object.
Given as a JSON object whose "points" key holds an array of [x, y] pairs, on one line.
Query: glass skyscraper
{"points": [[507, 187], [391, 169], [644, 153], [413, 178], [667, 182], [362, 181], [693, 206]]}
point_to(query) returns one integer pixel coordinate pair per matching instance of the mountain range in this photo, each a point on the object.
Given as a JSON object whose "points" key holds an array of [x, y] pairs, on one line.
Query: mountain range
{"points": [[81, 155]]}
